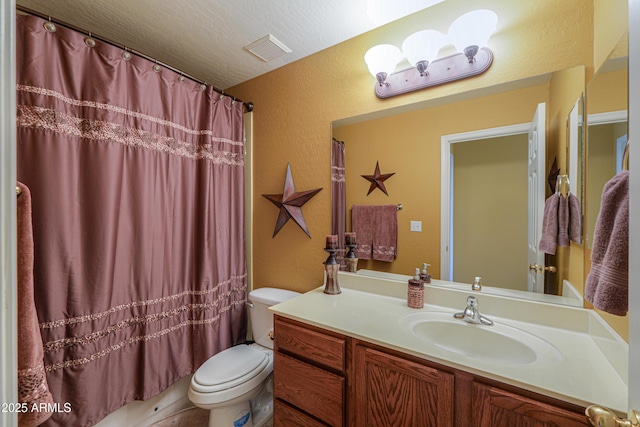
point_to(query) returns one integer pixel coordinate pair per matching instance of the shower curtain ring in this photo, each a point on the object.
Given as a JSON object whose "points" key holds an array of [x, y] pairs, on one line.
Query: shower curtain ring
{"points": [[89, 41], [50, 26]]}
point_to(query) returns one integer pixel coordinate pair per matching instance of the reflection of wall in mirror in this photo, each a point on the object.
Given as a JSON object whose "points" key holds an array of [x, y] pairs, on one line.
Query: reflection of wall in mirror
{"points": [[607, 93], [409, 144], [490, 211]]}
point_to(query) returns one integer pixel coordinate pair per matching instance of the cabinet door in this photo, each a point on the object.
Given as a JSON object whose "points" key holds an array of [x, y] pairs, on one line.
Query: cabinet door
{"points": [[392, 391], [493, 407]]}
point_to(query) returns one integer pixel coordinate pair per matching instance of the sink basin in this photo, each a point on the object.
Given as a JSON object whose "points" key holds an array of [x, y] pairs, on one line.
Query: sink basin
{"points": [[499, 344]]}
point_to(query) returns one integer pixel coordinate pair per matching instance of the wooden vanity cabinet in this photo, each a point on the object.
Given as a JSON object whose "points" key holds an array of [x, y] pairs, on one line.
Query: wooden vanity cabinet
{"points": [[309, 376], [326, 379], [495, 407]]}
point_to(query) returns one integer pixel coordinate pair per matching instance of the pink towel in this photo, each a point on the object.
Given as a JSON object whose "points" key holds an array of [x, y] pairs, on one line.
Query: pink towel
{"points": [[385, 233], [32, 381], [608, 281], [362, 224], [549, 239], [561, 222], [376, 228], [575, 219]]}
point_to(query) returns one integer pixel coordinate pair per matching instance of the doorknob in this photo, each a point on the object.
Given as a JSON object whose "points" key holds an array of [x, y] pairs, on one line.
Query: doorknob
{"points": [[599, 416], [541, 268]]}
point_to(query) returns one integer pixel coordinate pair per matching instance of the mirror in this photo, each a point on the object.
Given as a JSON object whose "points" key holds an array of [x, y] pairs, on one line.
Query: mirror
{"points": [[409, 145], [607, 127], [607, 130], [575, 152]]}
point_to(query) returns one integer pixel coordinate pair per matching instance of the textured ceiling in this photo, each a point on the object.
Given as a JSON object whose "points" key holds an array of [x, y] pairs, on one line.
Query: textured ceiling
{"points": [[205, 38]]}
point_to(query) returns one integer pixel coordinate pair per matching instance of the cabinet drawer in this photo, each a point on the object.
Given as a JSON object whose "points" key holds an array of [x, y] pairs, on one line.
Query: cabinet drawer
{"points": [[309, 344], [286, 416], [311, 389]]}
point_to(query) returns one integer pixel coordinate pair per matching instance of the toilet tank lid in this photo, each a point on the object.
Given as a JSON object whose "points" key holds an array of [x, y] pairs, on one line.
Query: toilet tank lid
{"points": [[271, 296]]}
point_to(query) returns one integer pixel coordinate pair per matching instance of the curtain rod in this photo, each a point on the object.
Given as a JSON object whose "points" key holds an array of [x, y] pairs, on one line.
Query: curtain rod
{"points": [[247, 105]]}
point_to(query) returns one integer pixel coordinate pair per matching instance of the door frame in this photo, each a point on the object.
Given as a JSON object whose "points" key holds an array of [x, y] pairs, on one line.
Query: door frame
{"points": [[446, 145], [634, 207]]}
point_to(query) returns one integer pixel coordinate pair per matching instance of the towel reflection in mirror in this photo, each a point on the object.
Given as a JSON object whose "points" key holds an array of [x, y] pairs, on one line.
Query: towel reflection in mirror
{"points": [[561, 221]]}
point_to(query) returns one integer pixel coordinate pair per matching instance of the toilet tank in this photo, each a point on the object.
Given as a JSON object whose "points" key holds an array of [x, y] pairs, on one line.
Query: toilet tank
{"points": [[261, 319]]}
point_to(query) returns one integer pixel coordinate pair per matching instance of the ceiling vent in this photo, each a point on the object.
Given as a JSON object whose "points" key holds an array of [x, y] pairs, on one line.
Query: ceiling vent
{"points": [[268, 48]]}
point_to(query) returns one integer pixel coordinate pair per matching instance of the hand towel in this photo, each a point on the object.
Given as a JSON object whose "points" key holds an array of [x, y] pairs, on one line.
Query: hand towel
{"points": [[608, 281], [32, 381], [362, 224], [549, 239], [575, 219], [385, 233], [563, 220]]}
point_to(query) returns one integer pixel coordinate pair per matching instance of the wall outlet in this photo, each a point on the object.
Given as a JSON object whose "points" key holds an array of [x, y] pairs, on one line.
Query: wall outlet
{"points": [[416, 226]]}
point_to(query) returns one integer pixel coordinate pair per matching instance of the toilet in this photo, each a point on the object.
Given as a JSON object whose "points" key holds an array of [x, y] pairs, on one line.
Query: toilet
{"points": [[236, 385]]}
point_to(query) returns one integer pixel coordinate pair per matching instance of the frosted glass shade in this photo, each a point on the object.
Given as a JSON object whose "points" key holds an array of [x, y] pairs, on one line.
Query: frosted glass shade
{"points": [[473, 29], [422, 46], [382, 58]]}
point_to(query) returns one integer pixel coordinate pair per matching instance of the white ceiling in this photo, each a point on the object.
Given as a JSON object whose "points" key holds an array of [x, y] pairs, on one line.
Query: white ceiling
{"points": [[205, 38]]}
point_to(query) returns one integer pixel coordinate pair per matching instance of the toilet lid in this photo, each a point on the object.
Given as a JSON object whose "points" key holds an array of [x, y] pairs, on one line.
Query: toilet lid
{"points": [[230, 367]]}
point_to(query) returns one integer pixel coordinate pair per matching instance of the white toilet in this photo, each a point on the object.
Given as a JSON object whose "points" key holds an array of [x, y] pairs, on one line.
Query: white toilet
{"points": [[227, 383]]}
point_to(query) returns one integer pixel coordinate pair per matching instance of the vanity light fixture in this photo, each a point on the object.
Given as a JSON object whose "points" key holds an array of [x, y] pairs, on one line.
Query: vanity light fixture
{"points": [[469, 34]]}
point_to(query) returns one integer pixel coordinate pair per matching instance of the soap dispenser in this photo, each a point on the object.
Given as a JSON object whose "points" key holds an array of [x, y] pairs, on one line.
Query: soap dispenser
{"points": [[424, 275], [415, 293]]}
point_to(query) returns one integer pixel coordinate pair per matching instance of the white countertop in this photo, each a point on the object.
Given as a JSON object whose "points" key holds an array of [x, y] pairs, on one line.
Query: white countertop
{"points": [[590, 371]]}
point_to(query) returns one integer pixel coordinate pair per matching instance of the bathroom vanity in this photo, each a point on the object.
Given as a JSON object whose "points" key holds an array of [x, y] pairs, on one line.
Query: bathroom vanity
{"points": [[364, 358]]}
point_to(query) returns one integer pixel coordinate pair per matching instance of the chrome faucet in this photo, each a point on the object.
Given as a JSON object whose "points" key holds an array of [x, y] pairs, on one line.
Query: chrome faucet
{"points": [[471, 314]]}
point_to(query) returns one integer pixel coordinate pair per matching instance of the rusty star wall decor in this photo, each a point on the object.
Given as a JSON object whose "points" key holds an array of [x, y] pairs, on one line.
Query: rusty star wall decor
{"points": [[377, 180], [290, 203], [553, 175]]}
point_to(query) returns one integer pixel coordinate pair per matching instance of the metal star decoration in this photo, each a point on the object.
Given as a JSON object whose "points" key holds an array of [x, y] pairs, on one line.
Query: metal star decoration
{"points": [[290, 203], [377, 180], [553, 175]]}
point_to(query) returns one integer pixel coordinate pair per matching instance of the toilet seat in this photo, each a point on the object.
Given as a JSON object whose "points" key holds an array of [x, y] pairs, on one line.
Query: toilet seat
{"points": [[229, 368]]}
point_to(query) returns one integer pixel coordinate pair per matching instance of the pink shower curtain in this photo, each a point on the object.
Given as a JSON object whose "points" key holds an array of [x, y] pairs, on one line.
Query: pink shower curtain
{"points": [[338, 198], [137, 187]]}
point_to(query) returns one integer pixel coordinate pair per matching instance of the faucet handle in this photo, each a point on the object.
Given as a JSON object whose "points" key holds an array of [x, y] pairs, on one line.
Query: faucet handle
{"points": [[477, 284]]}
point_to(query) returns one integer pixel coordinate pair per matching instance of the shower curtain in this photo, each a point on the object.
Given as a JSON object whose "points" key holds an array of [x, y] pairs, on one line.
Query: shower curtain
{"points": [[338, 198], [136, 176]]}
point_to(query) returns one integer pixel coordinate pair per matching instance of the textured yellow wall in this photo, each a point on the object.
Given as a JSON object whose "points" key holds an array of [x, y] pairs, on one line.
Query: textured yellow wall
{"points": [[409, 145], [295, 105], [611, 23]]}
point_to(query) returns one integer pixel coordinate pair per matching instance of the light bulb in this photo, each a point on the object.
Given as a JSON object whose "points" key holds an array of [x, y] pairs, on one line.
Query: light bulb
{"points": [[422, 47], [472, 31], [382, 60]]}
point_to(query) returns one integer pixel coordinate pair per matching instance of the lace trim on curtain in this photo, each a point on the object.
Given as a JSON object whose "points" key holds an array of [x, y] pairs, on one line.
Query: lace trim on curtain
{"points": [[120, 110], [133, 340], [337, 174], [55, 121], [135, 321], [96, 316]]}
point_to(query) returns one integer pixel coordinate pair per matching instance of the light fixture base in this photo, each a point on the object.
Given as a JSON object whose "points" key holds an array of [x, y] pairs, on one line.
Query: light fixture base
{"points": [[443, 70]]}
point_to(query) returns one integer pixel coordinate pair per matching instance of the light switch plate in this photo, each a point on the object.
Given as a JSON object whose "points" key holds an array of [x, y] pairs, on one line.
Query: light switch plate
{"points": [[416, 226]]}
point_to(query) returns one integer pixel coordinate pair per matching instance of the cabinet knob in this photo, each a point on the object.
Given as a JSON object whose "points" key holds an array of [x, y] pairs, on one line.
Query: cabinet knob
{"points": [[599, 416]]}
